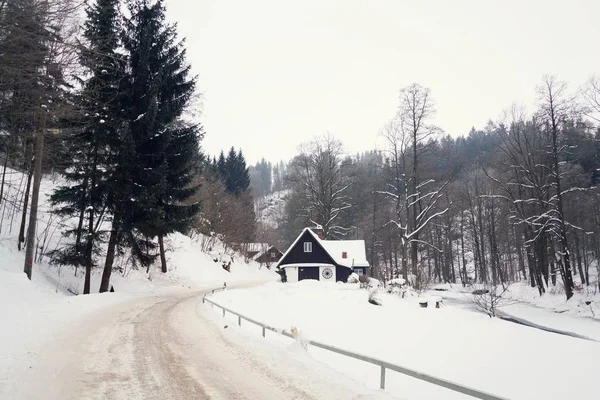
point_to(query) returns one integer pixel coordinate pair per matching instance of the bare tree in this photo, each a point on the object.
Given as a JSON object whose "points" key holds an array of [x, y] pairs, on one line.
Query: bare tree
{"points": [[591, 94], [416, 200], [415, 113], [555, 106], [320, 177]]}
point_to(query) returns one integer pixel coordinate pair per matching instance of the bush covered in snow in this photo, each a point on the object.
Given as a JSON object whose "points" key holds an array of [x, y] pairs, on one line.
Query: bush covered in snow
{"points": [[353, 278]]}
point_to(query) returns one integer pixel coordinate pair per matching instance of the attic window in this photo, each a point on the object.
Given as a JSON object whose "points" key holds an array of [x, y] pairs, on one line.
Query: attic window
{"points": [[273, 255], [308, 247], [344, 254]]}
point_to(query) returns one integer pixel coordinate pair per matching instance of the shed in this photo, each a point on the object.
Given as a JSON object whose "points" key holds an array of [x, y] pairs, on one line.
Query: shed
{"points": [[269, 256]]}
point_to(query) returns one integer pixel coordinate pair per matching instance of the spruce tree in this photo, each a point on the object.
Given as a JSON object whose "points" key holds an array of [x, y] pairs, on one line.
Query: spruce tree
{"points": [[159, 151], [97, 135], [233, 172]]}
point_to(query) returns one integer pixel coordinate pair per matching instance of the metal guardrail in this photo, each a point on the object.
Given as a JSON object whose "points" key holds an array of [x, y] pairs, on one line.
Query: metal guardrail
{"points": [[382, 364]]}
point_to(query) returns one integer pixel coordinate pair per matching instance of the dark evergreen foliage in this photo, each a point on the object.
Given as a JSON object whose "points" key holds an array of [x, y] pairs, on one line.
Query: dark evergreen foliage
{"points": [[95, 135]]}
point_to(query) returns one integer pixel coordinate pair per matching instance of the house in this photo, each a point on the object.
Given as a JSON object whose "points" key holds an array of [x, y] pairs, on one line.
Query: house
{"points": [[270, 256], [311, 257], [251, 250], [263, 253]]}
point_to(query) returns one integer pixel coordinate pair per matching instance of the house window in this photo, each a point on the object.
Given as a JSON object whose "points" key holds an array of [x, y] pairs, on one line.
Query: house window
{"points": [[308, 247], [344, 254], [273, 255]]}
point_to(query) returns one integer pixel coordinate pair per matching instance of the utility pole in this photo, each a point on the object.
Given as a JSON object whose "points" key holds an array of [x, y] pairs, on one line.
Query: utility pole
{"points": [[37, 179]]}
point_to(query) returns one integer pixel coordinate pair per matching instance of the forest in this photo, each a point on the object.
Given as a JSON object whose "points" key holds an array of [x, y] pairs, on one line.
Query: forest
{"points": [[110, 103], [515, 201]]}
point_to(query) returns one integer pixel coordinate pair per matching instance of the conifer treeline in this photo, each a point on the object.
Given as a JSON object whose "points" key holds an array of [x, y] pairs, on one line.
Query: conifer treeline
{"points": [[129, 156]]}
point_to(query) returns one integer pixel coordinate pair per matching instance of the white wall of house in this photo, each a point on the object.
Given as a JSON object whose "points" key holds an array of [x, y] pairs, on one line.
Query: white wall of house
{"points": [[292, 274], [322, 278]]}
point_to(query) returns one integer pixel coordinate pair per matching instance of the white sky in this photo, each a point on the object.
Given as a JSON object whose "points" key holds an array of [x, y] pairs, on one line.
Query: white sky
{"points": [[275, 73]]}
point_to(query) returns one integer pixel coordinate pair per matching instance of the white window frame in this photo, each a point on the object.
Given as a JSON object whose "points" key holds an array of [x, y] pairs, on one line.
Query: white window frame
{"points": [[308, 247]]}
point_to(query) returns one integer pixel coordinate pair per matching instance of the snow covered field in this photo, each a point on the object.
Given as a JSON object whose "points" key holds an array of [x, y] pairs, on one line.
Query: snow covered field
{"points": [[452, 343]]}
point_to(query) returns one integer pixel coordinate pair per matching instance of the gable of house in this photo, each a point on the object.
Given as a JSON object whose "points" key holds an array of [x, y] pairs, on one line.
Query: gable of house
{"points": [[296, 254]]}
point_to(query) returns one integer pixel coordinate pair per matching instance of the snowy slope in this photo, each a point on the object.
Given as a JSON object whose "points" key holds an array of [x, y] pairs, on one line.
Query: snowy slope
{"points": [[187, 262], [496, 356], [269, 209]]}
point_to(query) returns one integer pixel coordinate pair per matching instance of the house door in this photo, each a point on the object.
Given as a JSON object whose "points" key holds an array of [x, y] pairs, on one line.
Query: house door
{"points": [[308, 273]]}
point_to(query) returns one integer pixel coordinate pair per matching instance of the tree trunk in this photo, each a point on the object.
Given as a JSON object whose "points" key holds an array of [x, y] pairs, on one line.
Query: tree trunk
{"points": [[414, 249], [519, 246], [163, 258], [21, 239], [3, 177], [80, 224], [586, 262], [481, 228], [578, 253], [89, 249], [462, 249], [29, 250], [110, 252]]}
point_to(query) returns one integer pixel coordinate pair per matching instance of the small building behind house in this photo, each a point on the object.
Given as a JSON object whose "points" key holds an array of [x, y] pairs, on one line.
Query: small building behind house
{"points": [[311, 257], [251, 250], [263, 253], [269, 257]]}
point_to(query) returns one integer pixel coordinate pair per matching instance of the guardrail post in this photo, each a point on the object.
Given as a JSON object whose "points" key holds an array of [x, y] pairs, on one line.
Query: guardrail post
{"points": [[213, 291], [223, 312], [382, 380], [239, 320], [264, 332]]}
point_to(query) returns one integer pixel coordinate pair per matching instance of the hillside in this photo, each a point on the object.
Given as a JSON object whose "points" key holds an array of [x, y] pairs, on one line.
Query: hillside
{"points": [[271, 208]]}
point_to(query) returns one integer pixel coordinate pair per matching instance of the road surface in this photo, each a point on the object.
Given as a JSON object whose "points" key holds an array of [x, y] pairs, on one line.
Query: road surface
{"points": [[158, 348]]}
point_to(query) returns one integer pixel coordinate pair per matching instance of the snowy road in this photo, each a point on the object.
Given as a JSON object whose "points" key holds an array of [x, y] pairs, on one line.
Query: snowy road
{"points": [[164, 347]]}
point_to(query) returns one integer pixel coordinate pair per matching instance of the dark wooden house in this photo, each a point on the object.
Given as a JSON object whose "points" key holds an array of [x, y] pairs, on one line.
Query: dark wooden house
{"points": [[270, 256], [311, 257]]}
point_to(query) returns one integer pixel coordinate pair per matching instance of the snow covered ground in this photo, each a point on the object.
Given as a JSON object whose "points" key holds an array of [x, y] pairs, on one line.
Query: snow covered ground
{"points": [[580, 315], [33, 313], [452, 343]]}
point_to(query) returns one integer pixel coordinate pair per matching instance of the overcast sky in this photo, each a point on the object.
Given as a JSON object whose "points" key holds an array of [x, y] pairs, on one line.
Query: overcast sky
{"points": [[274, 73]]}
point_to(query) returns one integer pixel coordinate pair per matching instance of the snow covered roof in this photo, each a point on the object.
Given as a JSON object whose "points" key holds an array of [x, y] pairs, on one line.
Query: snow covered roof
{"points": [[354, 250], [252, 247], [355, 254]]}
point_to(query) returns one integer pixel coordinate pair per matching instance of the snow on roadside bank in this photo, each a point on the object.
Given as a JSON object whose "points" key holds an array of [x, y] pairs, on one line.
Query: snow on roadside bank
{"points": [[551, 310], [496, 356]]}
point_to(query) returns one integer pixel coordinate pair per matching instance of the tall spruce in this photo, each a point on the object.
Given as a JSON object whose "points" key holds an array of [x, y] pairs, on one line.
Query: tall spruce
{"points": [[159, 151], [97, 135], [233, 172]]}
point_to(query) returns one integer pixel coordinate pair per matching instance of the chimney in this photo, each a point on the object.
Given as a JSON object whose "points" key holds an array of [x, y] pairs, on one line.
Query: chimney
{"points": [[319, 232]]}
